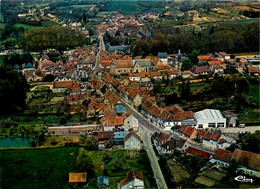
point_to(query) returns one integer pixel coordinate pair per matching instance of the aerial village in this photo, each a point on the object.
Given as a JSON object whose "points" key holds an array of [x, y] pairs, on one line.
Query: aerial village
{"points": [[117, 91]]}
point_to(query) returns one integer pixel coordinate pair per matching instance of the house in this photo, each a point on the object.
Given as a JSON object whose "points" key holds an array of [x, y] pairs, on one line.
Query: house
{"points": [[179, 129], [78, 177], [134, 77], [163, 57], [216, 64], [113, 123], [224, 55], [61, 86], [186, 74], [249, 163], [120, 135], [182, 145], [103, 182], [199, 71], [221, 157], [120, 108], [131, 123], [211, 138], [161, 138], [137, 100], [169, 146], [119, 67], [132, 141], [209, 118], [190, 132], [184, 118], [253, 70], [198, 152], [134, 179]]}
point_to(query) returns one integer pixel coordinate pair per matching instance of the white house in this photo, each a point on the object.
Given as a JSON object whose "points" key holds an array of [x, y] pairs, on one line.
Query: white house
{"points": [[134, 179], [209, 118], [131, 123], [221, 157], [132, 141]]}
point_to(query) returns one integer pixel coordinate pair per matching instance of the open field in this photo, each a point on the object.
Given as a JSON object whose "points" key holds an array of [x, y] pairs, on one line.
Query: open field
{"points": [[37, 168], [243, 7]]}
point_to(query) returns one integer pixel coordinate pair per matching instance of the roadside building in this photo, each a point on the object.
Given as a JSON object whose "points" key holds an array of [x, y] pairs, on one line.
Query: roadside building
{"points": [[132, 141], [209, 118], [134, 179]]}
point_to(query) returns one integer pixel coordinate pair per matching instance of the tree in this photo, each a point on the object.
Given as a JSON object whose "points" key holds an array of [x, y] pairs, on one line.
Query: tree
{"points": [[13, 87], [91, 142], [251, 142], [186, 65], [194, 56], [10, 43]]}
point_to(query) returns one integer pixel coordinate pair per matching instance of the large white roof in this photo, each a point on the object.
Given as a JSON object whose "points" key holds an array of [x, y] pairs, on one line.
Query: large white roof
{"points": [[208, 114]]}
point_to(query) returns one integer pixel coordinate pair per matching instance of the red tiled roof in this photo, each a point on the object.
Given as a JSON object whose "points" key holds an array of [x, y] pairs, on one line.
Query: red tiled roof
{"points": [[215, 136], [199, 70], [222, 155], [131, 134], [207, 135], [189, 131], [203, 57], [103, 135], [162, 138], [253, 69], [216, 62], [182, 128], [123, 63], [183, 116], [181, 142], [62, 84], [198, 152], [247, 159], [115, 121], [201, 132]]}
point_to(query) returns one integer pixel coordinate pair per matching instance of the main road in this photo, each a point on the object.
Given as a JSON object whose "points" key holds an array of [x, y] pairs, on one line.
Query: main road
{"points": [[147, 129], [100, 49]]}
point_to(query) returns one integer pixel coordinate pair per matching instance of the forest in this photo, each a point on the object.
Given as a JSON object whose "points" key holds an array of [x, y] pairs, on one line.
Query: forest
{"points": [[232, 37], [52, 37]]}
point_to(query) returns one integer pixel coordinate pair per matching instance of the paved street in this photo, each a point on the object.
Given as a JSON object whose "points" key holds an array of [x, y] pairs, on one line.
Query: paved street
{"points": [[146, 136]]}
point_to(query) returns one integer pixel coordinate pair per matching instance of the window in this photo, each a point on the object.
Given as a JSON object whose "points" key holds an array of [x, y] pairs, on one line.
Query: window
{"points": [[220, 124], [212, 125], [127, 122], [200, 126]]}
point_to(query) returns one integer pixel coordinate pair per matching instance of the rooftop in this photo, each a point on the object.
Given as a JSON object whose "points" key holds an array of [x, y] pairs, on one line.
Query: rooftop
{"points": [[208, 114], [78, 177]]}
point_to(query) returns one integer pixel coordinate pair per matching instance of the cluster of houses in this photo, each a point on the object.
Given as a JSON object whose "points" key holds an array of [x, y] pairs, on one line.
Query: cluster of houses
{"points": [[248, 162], [134, 179]]}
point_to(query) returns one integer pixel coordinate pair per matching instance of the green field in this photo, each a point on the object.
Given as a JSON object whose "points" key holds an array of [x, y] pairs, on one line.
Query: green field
{"points": [[129, 7], [26, 26], [247, 53], [254, 92], [37, 168]]}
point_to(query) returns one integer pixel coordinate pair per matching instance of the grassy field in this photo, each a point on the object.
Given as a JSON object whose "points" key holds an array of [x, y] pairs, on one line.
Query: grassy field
{"points": [[37, 168], [26, 26]]}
